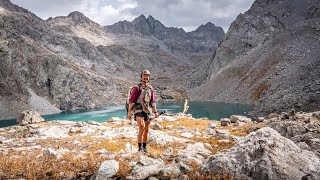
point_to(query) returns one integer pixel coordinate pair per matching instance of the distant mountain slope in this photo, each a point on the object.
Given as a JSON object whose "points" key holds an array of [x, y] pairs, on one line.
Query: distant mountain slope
{"points": [[70, 62], [269, 57], [203, 40]]}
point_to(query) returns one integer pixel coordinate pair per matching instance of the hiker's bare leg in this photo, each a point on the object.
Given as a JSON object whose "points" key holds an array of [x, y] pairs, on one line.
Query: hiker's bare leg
{"points": [[145, 132], [141, 125]]}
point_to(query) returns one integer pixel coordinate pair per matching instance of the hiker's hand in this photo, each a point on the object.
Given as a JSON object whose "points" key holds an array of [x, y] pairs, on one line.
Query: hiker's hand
{"points": [[156, 115], [129, 116]]}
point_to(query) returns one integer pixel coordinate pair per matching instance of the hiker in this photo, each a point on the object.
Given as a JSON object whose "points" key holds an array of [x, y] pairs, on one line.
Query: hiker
{"points": [[142, 99]]}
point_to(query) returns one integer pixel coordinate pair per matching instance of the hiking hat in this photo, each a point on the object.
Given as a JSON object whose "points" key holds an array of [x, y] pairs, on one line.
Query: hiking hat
{"points": [[145, 72]]}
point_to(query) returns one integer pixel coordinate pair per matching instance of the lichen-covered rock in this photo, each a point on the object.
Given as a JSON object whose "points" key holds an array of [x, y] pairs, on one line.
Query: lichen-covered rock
{"points": [[265, 154]]}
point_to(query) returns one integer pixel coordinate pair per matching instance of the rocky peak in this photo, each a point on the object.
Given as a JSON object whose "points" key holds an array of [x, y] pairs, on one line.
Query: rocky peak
{"points": [[81, 19], [207, 27], [155, 25], [77, 15], [208, 30], [141, 25], [11, 7], [74, 18]]}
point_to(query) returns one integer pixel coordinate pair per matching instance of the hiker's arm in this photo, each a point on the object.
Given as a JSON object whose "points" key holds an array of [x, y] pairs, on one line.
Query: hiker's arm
{"points": [[154, 105], [129, 110], [132, 100]]}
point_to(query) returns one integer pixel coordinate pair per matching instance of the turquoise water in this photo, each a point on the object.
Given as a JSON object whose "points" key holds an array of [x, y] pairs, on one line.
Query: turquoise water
{"points": [[211, 110]]}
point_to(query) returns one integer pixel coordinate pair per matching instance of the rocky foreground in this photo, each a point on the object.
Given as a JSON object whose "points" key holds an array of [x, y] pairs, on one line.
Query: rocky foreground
{"points": [[285, 146]]}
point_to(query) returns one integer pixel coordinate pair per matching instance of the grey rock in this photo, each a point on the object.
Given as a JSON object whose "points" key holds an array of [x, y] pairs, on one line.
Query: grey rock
{"points": [[186, 135], [156, 126], [146, 167], [52, 152], [183, 177], [94, 123], [273, 115], [210, 131], [260, 119], [212, 125], [223, 133], [107, 169], [225, 122], [285, 115], [316, 114], [264, 155], [304, 146], [29, 117], [244, 119], [288, 128], [183, 167], [170, 170], [238, 123]]}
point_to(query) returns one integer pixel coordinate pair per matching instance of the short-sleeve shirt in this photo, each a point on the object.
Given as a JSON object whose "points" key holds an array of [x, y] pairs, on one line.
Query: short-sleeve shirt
{"points": [[135, 93]]}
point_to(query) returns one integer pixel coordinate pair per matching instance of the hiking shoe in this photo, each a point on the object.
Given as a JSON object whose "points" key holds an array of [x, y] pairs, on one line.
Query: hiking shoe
{"points": [[145, 149], [140, 150]]}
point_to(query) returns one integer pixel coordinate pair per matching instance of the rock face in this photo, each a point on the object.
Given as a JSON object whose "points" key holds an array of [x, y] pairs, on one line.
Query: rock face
{"points": [[70, 62], [203, 40], [269, 57], [29, 117], [265, 154]]}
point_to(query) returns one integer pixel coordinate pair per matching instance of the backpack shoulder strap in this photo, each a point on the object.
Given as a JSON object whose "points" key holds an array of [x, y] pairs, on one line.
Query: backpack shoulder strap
{"points": [[139, 90]]}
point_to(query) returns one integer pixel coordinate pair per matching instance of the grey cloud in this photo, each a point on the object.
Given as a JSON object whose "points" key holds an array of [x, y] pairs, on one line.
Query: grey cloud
{"points": [[188, 14], [45, 9]]}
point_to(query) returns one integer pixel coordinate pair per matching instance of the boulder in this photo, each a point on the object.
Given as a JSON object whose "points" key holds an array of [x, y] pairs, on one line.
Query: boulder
{"points": [[187, 135], [273, 115], [225, 121], [223, 133], [107, 169], [212, 125], [29, 117], [156, 126], [316, 114], [146, 167], [238, 123], [264, 154], [235, 118], [260, 119]]}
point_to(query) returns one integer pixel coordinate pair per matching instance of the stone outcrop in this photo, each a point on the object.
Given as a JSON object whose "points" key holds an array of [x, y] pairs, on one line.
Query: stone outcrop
{"points": [[268, 58], [29, 117], [265, 154], [301, 128]]}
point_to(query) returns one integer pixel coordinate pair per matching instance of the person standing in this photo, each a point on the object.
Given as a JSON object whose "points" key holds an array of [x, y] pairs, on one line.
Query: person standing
{"points": [[143, 101]]}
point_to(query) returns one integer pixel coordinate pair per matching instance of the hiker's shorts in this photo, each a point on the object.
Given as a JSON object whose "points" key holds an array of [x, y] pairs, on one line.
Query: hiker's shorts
{"points": [[142, 114]]}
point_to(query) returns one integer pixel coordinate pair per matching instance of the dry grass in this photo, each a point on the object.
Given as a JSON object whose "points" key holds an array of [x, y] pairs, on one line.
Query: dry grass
{"points": [[36, 166], [189, 123]]}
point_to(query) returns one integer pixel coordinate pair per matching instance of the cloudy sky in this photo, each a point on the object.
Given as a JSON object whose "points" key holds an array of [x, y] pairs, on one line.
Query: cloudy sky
{"points": [[188, 14]]}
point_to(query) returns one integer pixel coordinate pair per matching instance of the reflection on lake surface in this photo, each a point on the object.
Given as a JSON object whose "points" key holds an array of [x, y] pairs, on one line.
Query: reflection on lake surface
{"points": [[211, 110]]}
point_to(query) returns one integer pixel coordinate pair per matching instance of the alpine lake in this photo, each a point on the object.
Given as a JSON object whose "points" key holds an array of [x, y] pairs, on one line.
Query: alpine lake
{"points": [[210, 110]]}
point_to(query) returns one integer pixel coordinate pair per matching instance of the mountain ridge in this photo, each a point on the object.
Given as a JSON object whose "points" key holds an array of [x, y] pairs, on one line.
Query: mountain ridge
{"points": [[72, 62]]}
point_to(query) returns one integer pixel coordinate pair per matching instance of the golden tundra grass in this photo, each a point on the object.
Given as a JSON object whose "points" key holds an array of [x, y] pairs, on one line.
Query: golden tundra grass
{"points": [[35, 164]]}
